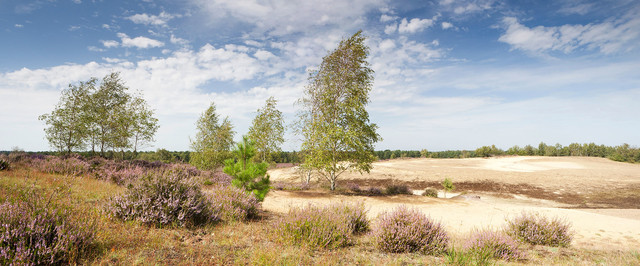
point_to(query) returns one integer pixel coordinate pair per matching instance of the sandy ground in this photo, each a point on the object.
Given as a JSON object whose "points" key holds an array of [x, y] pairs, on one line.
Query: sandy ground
{"points": [[610, 229]]}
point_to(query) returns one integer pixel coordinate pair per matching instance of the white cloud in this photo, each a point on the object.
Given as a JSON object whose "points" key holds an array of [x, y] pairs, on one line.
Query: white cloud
{"points": [[18, 26], [387, 18], [446, 25], [389, 29], [95, 49], [178, 41], [77, 1], [576, 7], [139, 42], [462, 7], [146, 19], [106, 26], [110, 43], [282, 17], [414, 25], [611, 36], [263, 55]]}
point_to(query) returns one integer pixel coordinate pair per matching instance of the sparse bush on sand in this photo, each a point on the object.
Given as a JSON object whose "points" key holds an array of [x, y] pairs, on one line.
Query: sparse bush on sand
{"points": [[36, 231], [537, 229], [409, 230], [430, 192], [322, 227], [494, 245], [398, 190]]}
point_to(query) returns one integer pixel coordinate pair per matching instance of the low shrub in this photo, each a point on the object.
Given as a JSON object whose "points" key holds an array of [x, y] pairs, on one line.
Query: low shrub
{"points": [[398, 190], [4, 165], [493, 244], [163, 198], [534, 228], [36, 231], [430, 192], [353, 187], [232, 204], [67, 165], [374, 191], [316, 227], [409, 230]]}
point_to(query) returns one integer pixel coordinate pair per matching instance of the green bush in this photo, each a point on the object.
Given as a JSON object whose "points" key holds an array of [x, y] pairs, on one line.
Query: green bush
{"points": [[430, 192]]}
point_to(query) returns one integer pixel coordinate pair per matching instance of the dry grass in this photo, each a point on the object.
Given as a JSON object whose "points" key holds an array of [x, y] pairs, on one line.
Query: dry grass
{"points": [[253, 242]]}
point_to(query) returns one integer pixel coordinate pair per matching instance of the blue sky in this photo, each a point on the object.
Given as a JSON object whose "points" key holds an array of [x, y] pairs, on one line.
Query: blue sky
{"points": [[448, 74]]}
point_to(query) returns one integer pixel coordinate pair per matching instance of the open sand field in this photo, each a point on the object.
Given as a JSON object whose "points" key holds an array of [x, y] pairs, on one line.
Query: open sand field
{"points": [[601, 198]]}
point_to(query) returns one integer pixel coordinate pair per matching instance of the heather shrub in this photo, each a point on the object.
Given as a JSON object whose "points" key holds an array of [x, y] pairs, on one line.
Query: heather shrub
{"points": [[4, 165], [374, 191], [493, 244], [68, 165], [397, 190], [232, 204], [36, 231], [534, 228], [316, 227], [353, 187], [409, 230], [430, 192], [163, 198]]}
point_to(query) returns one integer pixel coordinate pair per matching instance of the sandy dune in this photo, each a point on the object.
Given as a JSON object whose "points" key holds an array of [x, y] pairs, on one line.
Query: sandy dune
{"points": [[611, 229]]}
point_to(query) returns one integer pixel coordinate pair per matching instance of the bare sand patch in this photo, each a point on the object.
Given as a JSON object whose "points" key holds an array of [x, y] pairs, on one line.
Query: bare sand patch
{"points": [[554, 179]]}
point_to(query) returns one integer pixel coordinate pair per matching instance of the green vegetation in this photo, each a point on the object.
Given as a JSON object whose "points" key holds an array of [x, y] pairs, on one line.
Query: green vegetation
{"points": [[334, 124], [104, 116], [447, 185], [246, 174], [213, 140], [267, 130]]}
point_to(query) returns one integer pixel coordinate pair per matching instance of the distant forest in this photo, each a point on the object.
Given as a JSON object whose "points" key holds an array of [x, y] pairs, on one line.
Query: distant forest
{"points": [[622, 153]]}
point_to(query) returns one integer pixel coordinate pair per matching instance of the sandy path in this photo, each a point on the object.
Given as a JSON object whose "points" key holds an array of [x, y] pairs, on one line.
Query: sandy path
{"points": [[609, 229]]}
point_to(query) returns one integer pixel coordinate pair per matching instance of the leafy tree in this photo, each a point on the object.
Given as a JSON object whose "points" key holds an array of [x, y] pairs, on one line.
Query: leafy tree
{"points": [[106, 116], [267, 130], [246, 174], [213, 140], [447, 184], [67, 124], [334, 123]]}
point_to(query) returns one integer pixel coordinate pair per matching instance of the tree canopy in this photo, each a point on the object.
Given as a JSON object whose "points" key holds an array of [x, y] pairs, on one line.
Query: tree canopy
{"points": [[337, 133], [106, 116], [213, 140], [267, 130]]}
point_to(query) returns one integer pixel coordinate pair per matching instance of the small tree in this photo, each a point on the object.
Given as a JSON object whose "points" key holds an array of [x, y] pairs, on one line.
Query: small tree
{"points": [[337, 134], [267, 130], [213, 140], [246, 174], [447, 184]]}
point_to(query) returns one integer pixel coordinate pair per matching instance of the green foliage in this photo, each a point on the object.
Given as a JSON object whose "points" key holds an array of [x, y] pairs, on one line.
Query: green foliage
{"points": [[447, 184], [213, 140], [430, 192], [334, 123], [104, 116], [487, 151], [247, 174], [4, 165], [267, 130]]}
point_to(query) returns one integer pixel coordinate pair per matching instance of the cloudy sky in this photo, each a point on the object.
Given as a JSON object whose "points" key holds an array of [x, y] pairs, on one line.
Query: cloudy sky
{"points": [[449, 74]]}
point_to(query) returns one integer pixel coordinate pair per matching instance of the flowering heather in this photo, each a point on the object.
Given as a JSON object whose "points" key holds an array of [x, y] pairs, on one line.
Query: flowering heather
{"points": [[163, 199], [397, 190], [494, 244], [316, 227], [537, 229], [70, 165], [232, 204], [36, 232], [409, 230]]}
